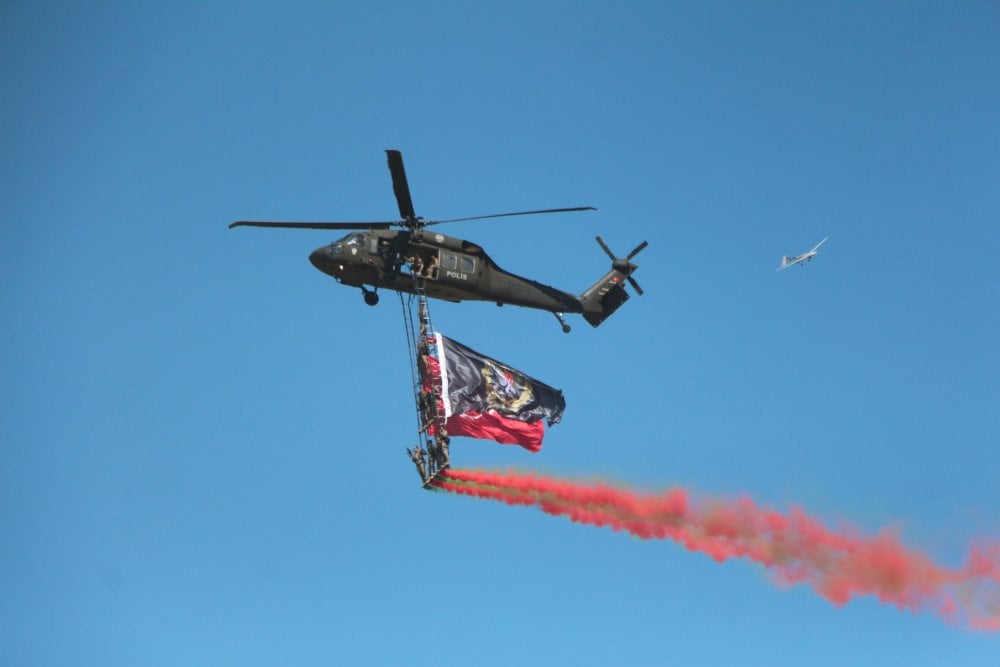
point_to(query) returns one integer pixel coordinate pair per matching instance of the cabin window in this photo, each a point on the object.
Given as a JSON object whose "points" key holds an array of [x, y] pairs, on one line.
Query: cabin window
{"points": [[451, 261]]}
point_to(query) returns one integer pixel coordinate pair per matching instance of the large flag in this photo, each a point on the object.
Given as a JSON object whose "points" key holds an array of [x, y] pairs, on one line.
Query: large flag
{"points": [[483, 398]]}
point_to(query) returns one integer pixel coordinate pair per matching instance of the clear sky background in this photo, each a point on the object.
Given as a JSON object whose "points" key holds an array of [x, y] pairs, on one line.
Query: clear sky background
{"points": [[202, 436]]}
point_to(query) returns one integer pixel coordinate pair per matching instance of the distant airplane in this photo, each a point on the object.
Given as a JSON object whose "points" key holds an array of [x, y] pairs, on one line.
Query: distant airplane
{"points": [[787, 261]]}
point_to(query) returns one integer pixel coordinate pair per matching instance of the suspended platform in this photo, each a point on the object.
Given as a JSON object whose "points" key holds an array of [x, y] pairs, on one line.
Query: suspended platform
{"points": [[429, 483]]}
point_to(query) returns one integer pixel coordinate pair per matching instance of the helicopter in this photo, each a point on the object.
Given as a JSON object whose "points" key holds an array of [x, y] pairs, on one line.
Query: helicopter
{"points": [[404, 256]]}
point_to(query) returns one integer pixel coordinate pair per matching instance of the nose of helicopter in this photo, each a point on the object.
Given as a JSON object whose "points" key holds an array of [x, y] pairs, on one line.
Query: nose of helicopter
{"points": [[322, 259]]}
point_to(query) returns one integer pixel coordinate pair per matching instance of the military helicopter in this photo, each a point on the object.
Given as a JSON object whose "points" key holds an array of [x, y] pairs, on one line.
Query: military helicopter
{"points": [[416, 260]]}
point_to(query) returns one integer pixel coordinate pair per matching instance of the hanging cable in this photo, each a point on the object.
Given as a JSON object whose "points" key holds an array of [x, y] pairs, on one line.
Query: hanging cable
{"points": [[406, 303]]}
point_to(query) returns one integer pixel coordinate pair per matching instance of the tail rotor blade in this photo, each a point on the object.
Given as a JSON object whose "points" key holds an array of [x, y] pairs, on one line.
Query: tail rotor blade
{"points": [[635, 285], [639, 248], [399, 185], [604, 245]]}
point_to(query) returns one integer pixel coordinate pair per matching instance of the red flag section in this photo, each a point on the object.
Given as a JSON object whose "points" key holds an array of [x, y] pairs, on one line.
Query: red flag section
{"points": [[797, 548], [494, 426]]}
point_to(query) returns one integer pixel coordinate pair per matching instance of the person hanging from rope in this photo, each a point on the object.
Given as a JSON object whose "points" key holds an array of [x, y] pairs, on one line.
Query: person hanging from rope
{"points": [[443, 441], [428, 411], [423, 316], [423, 410], [418, 456], [433, 458], [425, 370]]}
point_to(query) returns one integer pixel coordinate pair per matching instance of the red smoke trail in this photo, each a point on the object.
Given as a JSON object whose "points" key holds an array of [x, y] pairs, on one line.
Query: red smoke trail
{"points": [[795, 546]]}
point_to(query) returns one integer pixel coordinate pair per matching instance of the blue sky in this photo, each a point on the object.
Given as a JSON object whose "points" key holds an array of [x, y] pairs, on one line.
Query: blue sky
{"points": [[203, 436]]}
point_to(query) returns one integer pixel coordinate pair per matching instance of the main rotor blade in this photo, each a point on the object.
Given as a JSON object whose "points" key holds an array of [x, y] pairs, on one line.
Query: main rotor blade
{"points": [[399, 185], [639, 248], [314, 225], [507, 215]]}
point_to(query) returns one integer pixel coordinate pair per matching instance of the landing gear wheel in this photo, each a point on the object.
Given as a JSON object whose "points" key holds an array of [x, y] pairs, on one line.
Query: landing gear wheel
{"points": [[565, 327], [371, 298]]}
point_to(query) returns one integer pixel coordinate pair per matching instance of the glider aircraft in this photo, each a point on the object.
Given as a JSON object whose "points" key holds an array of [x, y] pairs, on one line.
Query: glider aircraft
{"points": [[787, 261]]}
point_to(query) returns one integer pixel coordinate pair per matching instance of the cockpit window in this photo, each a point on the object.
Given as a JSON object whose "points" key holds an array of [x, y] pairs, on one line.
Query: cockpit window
{"points": [[353, 239]]}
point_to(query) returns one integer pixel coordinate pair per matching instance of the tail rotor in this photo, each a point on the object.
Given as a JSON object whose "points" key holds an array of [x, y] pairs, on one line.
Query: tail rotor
{"points": [[624, 265]]}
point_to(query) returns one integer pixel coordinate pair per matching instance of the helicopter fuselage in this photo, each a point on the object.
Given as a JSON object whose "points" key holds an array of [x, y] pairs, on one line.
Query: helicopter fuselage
{"points": [[443, 267], [418, 261]]}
